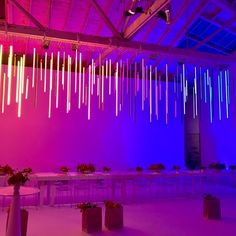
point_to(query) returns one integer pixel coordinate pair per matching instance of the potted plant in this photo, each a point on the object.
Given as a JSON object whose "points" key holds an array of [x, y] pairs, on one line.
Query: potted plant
{"points": [[106, 169], [86, 168], [217, 166], [232, 167], [64, 169], [91, 217], [176, 168], [17, 220], [113, 215], [211, 207], [6, 170], [156, 167], [139, 169]]}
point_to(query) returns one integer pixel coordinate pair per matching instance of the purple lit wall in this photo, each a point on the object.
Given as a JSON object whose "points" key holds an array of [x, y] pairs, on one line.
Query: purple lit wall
{"points": [[219, 138], [68, 139]]}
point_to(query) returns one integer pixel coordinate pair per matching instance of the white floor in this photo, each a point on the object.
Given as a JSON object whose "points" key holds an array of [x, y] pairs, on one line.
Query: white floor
{"points": [[179, 217]]}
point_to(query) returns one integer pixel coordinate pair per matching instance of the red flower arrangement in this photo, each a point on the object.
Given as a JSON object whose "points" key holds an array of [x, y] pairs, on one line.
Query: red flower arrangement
{"points": [[86, 205], [156, 167], [112, 204], [86, 168], [6, 170], [139, 168], [64, 169], [19, 177], [106, 169]]}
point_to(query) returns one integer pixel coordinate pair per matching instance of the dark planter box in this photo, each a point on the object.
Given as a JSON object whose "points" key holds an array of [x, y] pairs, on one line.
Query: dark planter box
{"points": [[114, 218], [92, 220], [211, 208], [24, 215]]}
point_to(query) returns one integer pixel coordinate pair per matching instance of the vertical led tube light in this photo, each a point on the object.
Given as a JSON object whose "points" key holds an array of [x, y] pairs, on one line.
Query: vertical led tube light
{"points": [[9, 75], [226, 96], [167, 94], [76, 69], [63, 71], [109, 76], [50, 87], [33, 73], [27, 88], [116, 79], [219, 98], [89, 92], [143, 84], [80, 71], [83, 84], [45, 73], [150, 94], [102, 84], [3, 91], [57, 84]]}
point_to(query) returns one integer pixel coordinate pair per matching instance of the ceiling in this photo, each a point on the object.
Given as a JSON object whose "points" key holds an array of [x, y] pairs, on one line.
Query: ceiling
{"points": [[203, 26]]}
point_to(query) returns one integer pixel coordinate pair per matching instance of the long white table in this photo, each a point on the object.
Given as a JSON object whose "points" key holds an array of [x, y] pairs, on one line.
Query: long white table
{"points": [[47, 180]]}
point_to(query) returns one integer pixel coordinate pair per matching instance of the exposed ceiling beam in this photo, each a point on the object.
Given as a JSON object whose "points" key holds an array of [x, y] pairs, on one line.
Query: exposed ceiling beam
{"points": [[26, 13], [92, 41], [226, 25], [224, 5], [135, 26], [105, 18]]}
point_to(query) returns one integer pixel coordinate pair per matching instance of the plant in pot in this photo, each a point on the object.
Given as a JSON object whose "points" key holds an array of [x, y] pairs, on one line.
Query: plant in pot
{"points": [[156, 167], [17, 218], [139, 169], [86, 168], [6, 170], [91, 217], [176, 168], [211, 207], [64, 169], [106, 169], [113, 215]]}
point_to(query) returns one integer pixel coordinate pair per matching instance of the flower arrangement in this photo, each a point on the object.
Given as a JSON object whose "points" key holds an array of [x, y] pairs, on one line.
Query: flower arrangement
{"points": [[6, 170], [18, 178], [86, 205], [139, 168], [232, 167], [156, 167], [112, 204], [217, 166], [106, 169], [175, 167], [86, 168], [64, 169], [208, 196]]}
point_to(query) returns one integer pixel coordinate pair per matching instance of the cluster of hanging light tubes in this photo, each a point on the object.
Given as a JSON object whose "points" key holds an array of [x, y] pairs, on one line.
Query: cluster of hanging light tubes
{"points": [[86, 90]]}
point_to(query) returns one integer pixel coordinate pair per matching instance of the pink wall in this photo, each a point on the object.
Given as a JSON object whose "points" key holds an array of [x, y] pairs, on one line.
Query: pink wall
{"points": [[68, 139]]}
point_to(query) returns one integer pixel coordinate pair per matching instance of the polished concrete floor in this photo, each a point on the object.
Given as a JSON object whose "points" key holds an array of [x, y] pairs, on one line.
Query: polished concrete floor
{"points": [[163, 217]]}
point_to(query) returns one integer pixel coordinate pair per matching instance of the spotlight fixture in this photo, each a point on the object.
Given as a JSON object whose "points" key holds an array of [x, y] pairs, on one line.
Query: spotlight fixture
{"points": [[129, 12], [74, 47], [46, 44], [165, 15]]}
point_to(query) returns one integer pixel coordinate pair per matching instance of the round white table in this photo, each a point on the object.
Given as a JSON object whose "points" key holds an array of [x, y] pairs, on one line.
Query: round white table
{"points": [[24, 191]]}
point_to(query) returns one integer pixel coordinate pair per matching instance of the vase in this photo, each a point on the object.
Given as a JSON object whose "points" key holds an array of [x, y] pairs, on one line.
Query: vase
{"points": [[114, 218], [211, 208], [14, 223], [92, 220]]}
